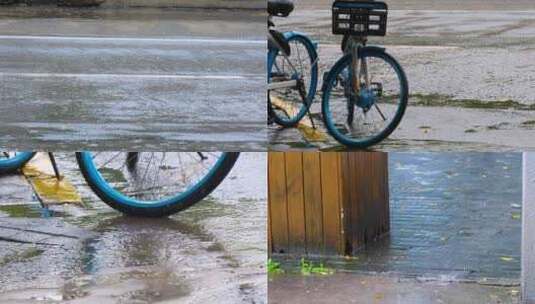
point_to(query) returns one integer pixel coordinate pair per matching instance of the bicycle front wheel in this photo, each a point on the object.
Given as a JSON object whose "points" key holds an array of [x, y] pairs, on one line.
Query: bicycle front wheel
{"points": [[13, 161], [154, 184], [362, 117], [287, 106]]}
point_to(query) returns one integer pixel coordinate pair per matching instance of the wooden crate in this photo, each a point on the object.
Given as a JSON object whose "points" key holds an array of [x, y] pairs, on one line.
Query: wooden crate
{"points": [[326, 203]]}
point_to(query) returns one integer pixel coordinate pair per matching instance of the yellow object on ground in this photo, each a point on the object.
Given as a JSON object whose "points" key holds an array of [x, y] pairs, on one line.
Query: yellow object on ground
{"points": [[47, 187], [305, 125]]}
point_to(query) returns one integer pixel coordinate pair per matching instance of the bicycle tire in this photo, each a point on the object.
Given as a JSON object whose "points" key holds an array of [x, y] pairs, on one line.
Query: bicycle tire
{"points": [[13, 164], [162, 208], [330, 81], [311, 90]]}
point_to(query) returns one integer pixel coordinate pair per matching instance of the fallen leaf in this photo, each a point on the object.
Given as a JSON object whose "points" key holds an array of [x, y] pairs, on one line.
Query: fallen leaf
{"points": [[506, 258]]}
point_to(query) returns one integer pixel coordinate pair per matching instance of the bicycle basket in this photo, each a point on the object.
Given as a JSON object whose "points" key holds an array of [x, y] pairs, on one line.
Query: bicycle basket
{"points": [[359, 18]]}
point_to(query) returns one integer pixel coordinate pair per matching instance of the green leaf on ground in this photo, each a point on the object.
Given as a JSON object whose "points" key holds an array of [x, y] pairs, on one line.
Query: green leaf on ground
{"points": [[308, 268], [274, 267], [506, 258]]}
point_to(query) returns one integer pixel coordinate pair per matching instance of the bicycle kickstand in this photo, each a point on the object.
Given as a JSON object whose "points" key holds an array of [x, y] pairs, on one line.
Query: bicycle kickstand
{"points": [[54, 165], [303, 95], [202, 156], [311, 119]]}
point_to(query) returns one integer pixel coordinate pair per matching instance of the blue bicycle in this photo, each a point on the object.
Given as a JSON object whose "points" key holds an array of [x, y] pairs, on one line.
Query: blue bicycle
{"points": [[143, 184], [365, 94], [292, 67]]}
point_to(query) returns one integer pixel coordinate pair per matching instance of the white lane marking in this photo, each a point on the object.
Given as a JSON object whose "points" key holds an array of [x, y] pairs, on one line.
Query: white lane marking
{"points": [[131, 39], [145, 76]]}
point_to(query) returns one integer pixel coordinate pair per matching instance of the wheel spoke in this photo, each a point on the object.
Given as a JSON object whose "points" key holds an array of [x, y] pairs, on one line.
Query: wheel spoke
{"points": [[380, 112], [155, 176], [365, 126], [289, 104]]}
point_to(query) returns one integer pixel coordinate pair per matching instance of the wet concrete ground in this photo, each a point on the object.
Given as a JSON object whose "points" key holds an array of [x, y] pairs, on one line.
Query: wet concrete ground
{"points": [[438, 4], [141, 79], [453, 237], [470, 77], [212, 252], [362, 288]]}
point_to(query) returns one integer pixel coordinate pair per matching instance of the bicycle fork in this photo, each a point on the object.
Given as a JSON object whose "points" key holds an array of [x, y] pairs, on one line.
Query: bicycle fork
{"points": [[359, 67]]}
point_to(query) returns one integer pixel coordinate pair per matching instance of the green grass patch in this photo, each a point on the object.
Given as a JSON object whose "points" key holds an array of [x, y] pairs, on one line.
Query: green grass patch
{"points": [[274, 267], [308, 268], [439, 100], [23, 210], [529, 123], [21, 257]]}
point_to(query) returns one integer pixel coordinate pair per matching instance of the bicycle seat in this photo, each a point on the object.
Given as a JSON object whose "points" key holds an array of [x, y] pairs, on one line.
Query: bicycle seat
{"points": [[280, 8]]}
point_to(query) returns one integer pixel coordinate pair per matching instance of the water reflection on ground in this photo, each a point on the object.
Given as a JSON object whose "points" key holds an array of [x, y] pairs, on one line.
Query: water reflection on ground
{"points": [[214, 251]]}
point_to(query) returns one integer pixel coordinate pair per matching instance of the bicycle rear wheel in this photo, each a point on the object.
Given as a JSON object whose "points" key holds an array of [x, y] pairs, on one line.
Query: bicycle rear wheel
{"points": [[154, 184], [13, 161], [287, 106], [360, 118]]}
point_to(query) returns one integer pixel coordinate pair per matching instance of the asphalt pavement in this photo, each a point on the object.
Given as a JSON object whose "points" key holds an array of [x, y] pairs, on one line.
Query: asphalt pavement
{"points": [[143, 79]]}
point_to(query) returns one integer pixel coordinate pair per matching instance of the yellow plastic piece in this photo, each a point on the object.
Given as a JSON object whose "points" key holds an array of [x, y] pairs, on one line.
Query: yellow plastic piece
{"points": [[49, 189], [305, 125]]}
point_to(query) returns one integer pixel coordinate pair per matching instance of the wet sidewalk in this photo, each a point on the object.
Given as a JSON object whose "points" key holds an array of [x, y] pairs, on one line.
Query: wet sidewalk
{"points": [[469, 75], [362, 288], [454, 216], [455, 231], [94, 254]]}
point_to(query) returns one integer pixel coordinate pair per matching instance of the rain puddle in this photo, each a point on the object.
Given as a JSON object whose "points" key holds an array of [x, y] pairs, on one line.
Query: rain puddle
{"points": [[212, 252], [29, 211]]}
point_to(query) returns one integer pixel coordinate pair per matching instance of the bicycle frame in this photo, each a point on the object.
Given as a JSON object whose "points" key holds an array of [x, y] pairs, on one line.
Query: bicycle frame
{"points": [[353, 45], [272, 55]]}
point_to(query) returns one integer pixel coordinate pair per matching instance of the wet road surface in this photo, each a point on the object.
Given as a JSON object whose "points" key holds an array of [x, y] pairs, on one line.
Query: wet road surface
{"points": [[470, 77], [94, 254], [447, 227], [362, 288], [134, 79]]}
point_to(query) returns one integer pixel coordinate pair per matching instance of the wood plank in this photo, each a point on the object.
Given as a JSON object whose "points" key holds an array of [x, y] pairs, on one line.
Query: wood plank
{"points": [[296, 202], [346, 201], [277, 202], [379, 197], [313, 203], [331, 201], [342, 197], [386, 196], [374, 183], [269, 236], [354, 184]]}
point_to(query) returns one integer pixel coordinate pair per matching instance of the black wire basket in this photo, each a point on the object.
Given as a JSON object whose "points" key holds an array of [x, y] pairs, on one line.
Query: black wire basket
{"points": [[359, 18]]}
